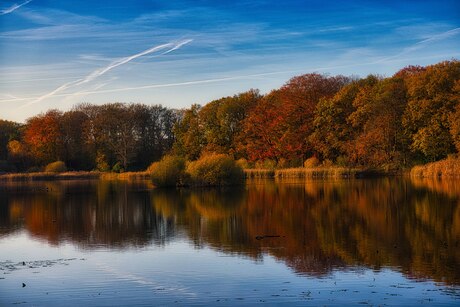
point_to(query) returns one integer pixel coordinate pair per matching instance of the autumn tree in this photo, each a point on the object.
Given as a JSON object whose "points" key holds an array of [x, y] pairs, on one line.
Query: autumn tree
{"points": [[433, 97], [454, 119], [299, 97], [281, 124], [189, 134], [222, 121], [332, 122], [43, 136], [379, 138], [262, 130]]}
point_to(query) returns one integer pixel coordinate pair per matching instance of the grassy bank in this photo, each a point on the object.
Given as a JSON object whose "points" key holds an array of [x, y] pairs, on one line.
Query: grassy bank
{"points": [[447, 168], [316, 172]]}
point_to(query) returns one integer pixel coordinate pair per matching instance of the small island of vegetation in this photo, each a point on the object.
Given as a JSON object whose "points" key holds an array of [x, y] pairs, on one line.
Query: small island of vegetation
{"points": [[313, 126]]}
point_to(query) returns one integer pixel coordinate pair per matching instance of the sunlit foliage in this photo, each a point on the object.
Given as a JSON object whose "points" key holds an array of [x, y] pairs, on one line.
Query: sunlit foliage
{"points": [[215, 170], [56, 167], [168, 172], [390, 123]]}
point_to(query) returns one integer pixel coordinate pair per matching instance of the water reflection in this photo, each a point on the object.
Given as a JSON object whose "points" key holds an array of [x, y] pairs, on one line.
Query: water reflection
{"points": [[90, 214], [314, 226]]}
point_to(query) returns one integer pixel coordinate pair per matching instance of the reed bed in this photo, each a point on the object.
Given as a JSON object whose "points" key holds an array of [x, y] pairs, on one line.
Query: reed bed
{"points": [[323, 172], [42, 176], [126, 176], [316, 172], [259, 173], [447, 168]]}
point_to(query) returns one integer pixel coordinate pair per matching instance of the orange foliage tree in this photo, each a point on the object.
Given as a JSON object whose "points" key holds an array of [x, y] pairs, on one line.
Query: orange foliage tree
{"points": [[44, 137]]}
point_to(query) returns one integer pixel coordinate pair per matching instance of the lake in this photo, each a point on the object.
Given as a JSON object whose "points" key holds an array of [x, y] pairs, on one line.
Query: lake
{"points": [[390, 241]]}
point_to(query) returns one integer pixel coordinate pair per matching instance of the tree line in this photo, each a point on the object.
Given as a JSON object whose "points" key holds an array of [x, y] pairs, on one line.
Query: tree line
{"points": [[409, 118], [105, 137]]}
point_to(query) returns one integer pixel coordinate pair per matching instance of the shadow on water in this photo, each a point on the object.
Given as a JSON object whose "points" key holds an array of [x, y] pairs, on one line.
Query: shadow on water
{"points": [[313, 226]]}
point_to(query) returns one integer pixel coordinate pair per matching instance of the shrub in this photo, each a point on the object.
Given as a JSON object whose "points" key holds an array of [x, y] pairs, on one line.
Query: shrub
{"points": [[56, 167], [311, 162], [117, 168], [215, 170], [168, 172]]}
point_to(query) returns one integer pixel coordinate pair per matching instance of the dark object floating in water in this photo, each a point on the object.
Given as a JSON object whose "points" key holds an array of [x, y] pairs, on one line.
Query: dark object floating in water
{"points": [[263, 237], [23, 285], [23, 263]]}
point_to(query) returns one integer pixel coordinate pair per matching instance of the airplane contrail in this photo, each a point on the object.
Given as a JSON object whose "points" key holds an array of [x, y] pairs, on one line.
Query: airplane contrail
{"points": [[420, 44], [13, 8], [99, 72], [215, 80], [178, 46]]}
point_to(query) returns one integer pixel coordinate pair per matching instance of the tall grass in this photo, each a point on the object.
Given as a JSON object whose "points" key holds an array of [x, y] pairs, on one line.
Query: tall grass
{"points": [[447, 168], [323, 172], [41, 176], [44, 176], [259, 173], [126, 176], [315, 172]]}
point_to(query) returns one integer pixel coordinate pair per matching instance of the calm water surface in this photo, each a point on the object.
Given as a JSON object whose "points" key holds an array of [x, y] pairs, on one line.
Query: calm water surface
{"points": [[340, 242]]}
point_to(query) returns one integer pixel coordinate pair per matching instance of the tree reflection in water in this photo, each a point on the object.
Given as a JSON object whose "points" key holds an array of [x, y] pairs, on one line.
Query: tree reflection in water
{"points": [[313, 226]]}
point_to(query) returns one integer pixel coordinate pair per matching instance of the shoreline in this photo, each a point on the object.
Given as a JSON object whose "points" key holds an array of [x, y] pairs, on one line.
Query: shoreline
{"points": [[444, 169], [319, 173], [77, 175]]}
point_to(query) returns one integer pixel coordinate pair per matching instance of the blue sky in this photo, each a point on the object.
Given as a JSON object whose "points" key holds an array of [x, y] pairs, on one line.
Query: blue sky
{"points": [[55, 54]]}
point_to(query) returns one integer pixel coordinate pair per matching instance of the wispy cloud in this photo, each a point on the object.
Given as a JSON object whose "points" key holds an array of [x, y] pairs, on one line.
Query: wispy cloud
{"points": [[97, 89], [13, 8], [422, 44], [99, 72]]}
